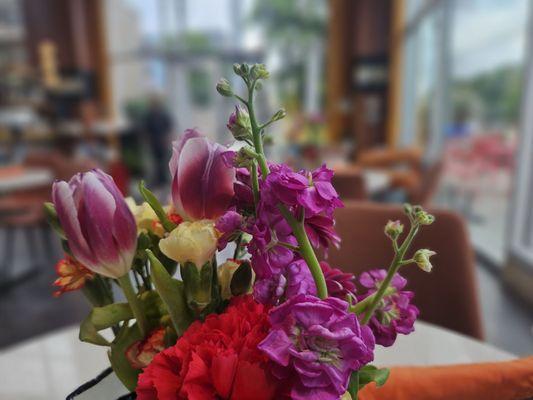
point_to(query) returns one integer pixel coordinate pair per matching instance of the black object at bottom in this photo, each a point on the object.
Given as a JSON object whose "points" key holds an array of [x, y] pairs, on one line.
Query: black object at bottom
{"points": [[93, 382]]}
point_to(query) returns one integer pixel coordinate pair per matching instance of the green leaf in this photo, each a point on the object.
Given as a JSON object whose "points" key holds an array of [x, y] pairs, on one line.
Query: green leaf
{"points": [[371, 373], [172, 294], [53, 220], [241, 280], [117, 356], [366, 375], [353, 386], [150, 198], [102, 318]]}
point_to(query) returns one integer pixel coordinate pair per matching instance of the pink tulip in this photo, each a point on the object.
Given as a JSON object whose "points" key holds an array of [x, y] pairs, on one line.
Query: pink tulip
{"points": [[202, 184], [99, 226]]}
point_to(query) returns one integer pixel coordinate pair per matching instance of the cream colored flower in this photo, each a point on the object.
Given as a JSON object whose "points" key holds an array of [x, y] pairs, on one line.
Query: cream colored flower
{"points": [[145, 217], [195, 242], [225, 273]]}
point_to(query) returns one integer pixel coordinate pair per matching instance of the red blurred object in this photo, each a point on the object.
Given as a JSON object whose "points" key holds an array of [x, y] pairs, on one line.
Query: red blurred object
{"points": [[120, 174]]}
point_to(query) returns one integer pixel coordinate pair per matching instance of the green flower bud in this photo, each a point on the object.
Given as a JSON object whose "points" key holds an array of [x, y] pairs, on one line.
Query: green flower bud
{"points": [[259, 71], [239, 124], [280, 114], [393, 229], [245, 157], [424, 218], [224, 88], [421, 258]]}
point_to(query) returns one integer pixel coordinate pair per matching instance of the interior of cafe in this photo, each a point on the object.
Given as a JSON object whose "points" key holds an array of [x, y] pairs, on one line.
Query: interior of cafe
{"points": [[420, 101]]}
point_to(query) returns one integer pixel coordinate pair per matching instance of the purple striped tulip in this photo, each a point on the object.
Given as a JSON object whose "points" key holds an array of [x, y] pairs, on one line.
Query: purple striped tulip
{"points": [[202, 184], [98, 224]]}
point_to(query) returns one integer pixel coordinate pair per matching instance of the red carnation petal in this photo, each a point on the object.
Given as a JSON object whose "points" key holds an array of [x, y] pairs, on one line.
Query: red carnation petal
{"points": [[223, 371], [252, 382]]}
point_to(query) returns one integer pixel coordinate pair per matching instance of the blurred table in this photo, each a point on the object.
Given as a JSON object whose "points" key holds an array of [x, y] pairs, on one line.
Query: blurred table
{"points": [[15, 178], [58, 363], [376, 180]]}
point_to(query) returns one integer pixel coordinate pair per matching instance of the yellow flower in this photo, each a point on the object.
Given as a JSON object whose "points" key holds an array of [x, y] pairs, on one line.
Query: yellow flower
{"points": [[194, 242], [145, 217], [225, 273]]}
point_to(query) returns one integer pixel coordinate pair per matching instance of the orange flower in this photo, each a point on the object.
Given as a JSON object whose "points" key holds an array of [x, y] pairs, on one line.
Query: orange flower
{"points": [[72, 275], [141, 353]]}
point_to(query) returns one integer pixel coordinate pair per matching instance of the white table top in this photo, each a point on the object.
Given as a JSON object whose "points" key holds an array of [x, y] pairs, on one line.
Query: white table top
{"points": [[376, 180], [29, 178], [51, 366]]}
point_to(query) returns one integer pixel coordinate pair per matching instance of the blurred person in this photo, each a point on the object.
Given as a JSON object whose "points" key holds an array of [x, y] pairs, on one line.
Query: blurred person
{"points": [[158, 124]]}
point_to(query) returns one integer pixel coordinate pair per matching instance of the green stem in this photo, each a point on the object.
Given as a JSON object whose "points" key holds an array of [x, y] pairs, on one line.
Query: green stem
{"points": [[306, 251], [393, 269], [256, 132], [305, 248], [255, 183], [361, 306], [136, 308]]}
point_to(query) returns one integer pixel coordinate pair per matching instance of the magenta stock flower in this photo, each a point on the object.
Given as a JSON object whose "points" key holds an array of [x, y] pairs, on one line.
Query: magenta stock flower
{"points": [[340, 284], [98, 224], [228, 225], [321, 232], [320, 196], [295, 280], [319, 344], [269, 257], [202, 183], [395, 313]]}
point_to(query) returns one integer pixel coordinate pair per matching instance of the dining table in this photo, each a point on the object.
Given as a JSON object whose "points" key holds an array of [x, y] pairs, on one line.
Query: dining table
{"points": [[53, 365]]}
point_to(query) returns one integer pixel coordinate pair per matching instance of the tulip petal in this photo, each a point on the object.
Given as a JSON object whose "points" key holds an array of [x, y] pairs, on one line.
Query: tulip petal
{"points": [[96, 215], [220, 188], [205, 182], [65, 204], [124, 226], [177, 148]]}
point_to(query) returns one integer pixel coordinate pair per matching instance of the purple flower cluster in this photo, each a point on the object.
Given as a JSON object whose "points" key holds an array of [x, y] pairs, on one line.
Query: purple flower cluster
{"points": [[340, 284], [307, 194], [395, 313], [296, 279], [317, 344]]}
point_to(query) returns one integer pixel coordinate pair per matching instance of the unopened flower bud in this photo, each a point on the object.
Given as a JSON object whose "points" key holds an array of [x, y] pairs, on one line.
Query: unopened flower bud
{"points": [[393, 229], [259, 71], [241, 69], [424, 218], [407, 208], [421, 258], [239, 124], [225, 274], [280, 114], [224, 88], [245, 157]]}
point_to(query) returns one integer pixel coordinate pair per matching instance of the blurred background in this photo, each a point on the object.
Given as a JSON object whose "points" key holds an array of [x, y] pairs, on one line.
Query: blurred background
{"points": [[426, 101]]}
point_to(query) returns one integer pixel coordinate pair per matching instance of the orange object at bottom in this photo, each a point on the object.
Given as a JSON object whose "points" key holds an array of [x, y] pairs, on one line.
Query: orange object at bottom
{"points": [[510, 380]]}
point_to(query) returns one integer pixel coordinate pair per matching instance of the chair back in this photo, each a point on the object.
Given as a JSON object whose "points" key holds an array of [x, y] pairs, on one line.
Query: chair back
{"points": [[448, 295], [350, 184]]}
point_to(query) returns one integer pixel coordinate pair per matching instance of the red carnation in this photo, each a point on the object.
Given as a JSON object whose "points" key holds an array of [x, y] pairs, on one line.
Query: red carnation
{"points": [[218, 358]]}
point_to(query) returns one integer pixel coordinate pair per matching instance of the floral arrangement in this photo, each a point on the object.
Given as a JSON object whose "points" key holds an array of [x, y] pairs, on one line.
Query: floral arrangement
{"points": [[271, 322]]}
